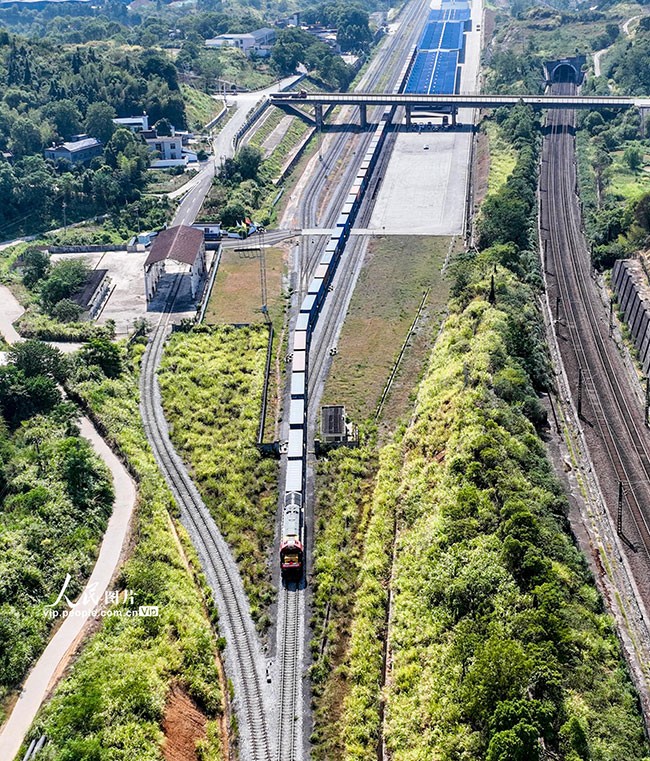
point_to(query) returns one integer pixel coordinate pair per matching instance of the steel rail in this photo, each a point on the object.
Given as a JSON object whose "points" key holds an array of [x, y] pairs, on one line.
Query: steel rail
{"points": [[242, 649], [621, 436], [291, 598]]}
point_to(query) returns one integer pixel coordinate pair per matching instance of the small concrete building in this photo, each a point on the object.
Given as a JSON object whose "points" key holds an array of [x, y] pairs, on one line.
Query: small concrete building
{"points": [[78, 151], [184, 245], [333, 427]]}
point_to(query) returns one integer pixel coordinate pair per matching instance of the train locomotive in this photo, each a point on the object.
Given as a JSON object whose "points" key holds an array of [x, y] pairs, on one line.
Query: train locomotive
{"points": [[292, 541]]}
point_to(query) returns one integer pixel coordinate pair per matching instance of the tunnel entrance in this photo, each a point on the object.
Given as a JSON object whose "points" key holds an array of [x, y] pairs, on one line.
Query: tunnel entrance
{"points": [[565, 70], [564, 73]]}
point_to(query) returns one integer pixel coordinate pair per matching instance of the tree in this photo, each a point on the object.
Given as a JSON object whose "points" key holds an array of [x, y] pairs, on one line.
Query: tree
{"points": [[573, 738], [79, 474], [105, 187], [36, 357], [22, 397], [353, 30], [66, 278], [517, 744], [99, 121], [233, 214], [248, 161], [633, 157], [504, 218], [25, 137], [35, 264], [163, 127], [289, 49], [104, 354], [642, 212], [66, 310], [8, 182], [65, 116]]}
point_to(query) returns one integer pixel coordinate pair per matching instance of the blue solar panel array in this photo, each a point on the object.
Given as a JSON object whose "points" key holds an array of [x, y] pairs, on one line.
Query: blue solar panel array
{"points": [[432, 36], [443, 80], [435, 70]]}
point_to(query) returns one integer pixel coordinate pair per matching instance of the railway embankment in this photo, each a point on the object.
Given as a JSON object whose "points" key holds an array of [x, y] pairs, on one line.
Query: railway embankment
{"points": [[476, 627], [118, 692], [497, 634], [211, 384]]}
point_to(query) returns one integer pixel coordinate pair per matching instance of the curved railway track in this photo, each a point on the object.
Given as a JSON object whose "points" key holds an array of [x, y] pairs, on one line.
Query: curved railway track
{"points": [[243, 652], [611, 408]]}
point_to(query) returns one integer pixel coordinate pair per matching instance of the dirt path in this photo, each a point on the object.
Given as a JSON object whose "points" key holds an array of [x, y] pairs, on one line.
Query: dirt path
{"points": [[56, 656]]}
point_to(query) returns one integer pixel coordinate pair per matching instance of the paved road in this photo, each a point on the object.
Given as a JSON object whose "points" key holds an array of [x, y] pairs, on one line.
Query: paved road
{"points": [[61, 647], [222, 145], [600, 53]]}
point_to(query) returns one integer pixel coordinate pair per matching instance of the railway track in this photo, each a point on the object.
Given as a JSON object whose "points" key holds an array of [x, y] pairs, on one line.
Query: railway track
{"points": [[392, 54], [243, 653], [614, 418], [320, 194], [290, 722]]}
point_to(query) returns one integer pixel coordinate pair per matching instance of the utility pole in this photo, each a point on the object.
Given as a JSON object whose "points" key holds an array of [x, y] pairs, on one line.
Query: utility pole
{"points": [[647, 400], [558, 300], [580, 392], [65, 220], [265, 310], [611, 317], [619, 513]]}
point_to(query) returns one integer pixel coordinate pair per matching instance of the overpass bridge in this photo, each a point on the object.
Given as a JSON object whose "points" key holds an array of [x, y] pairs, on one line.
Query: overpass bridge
{"points": [[446, 103]]}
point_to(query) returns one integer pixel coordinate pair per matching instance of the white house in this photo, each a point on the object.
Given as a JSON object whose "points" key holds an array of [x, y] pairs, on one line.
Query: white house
{"points": [[79, 150], [258, 42], [133, 123]]}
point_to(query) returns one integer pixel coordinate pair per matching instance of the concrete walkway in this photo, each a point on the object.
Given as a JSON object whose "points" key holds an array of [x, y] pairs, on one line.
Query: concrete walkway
{"points": [[56, 656]]}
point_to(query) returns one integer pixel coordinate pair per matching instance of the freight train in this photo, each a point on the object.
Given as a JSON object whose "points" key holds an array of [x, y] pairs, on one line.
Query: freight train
{"points": [[292, 544], [292, 541]]}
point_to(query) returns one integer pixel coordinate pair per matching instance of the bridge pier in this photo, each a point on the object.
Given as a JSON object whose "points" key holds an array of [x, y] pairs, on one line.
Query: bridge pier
{"points": [[454, 113], [643, 113], [409, 121], [318, 115], [363, 116]]}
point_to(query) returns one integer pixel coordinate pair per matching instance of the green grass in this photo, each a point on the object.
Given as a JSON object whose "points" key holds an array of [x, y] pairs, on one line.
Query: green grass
{"points": [[503, 156], [163, 181], [624, 184], [345, 481], [112, 703], [274, 164], [211, 385], [237, 293], [200, 107], [273, 118], [396, 272], [47, 530], [239, 69]]}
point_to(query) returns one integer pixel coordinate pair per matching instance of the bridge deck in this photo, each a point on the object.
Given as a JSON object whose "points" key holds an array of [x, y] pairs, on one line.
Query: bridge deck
{"points": [[463, 101]]}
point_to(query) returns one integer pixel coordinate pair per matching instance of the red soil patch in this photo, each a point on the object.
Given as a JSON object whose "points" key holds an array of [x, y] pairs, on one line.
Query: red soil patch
{"points": [[183, 725]]}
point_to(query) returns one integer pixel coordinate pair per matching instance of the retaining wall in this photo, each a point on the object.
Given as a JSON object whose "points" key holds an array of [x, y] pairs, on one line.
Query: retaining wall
{"points": [[630, 285]]}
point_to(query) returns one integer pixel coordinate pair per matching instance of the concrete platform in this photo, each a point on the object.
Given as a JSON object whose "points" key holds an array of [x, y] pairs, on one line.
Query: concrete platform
{"points": [[423, 191]]}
